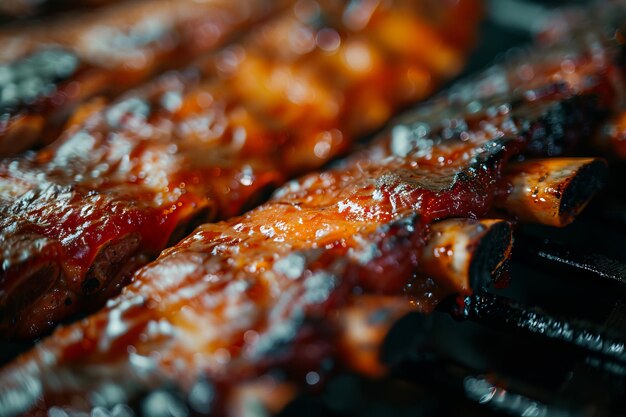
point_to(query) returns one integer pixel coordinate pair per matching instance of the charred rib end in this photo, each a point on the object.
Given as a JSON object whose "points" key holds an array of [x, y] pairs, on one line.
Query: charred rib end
{"points": [[588, 180], [551, 191], [491, 254], [462, 254]]}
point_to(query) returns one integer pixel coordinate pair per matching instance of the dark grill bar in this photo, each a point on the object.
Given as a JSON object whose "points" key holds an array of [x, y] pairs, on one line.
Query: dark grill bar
{"points": [[553, 253], [509, 315], [484, 392]]}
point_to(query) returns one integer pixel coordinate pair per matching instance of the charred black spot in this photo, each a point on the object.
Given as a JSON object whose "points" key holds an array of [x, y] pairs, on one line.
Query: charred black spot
{"points": [[490, 156], [90, 285], [563, 124]]}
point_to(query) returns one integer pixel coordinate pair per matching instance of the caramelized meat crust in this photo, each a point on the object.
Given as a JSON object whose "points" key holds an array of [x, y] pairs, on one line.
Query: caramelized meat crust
{"points": [[208, 143], [49, 67], [271, 289]]}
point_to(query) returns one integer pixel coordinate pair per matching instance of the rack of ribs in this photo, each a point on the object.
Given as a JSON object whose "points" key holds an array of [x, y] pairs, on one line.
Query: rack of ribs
{"points": [[307, 282], [130, 178], [49, 67]]}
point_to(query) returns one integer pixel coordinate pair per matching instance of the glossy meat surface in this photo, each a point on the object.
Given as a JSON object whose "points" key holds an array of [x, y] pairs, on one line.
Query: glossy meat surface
{"points": [[266, 290], [49, 67], [205, 144]]}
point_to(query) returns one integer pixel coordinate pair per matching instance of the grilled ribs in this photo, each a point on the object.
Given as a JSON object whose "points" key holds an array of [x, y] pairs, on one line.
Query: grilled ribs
{"points": [[126, 179], [48, 68], [237, 300]]}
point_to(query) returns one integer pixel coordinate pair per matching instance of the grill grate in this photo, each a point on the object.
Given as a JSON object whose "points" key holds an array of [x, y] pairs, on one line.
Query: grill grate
{"points": [[550, 253], [508, 315]]}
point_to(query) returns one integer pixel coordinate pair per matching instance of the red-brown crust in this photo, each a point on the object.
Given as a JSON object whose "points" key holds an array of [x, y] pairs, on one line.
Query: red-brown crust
{"points": [[205, 142], [103, 53], [265, 290]]}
